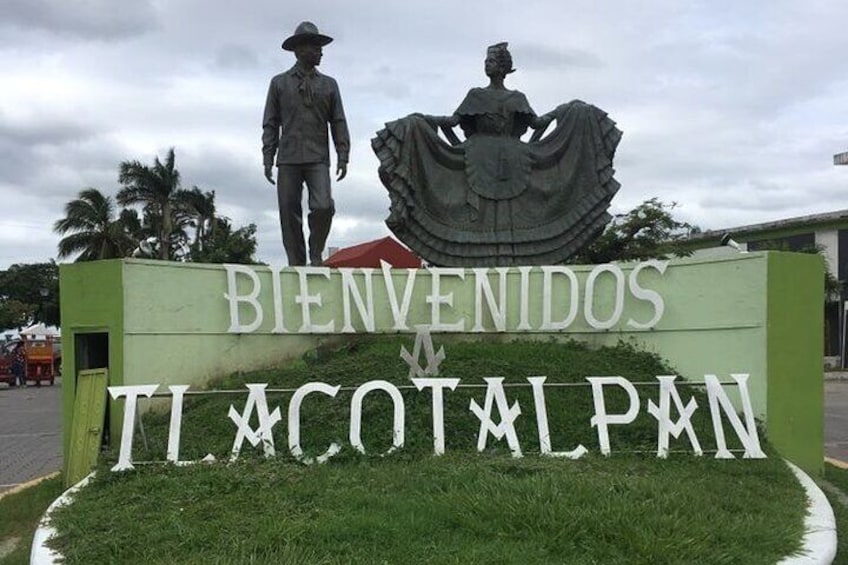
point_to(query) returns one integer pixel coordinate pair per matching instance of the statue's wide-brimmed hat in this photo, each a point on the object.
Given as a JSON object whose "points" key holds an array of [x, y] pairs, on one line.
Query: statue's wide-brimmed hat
{"points": [[306, 32]]}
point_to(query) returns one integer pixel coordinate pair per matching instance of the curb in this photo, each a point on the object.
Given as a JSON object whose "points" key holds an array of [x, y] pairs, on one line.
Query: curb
{"points": [[23, 486], [819, 542], [836, 462], [41, 554]]}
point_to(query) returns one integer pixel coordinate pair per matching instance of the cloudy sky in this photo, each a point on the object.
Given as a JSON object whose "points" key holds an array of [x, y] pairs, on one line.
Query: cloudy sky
{"points": [[732, 109]]}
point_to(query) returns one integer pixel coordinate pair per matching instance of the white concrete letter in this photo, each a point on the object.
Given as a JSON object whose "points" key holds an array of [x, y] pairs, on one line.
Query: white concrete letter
{"points": [[438, 385], [524, 305], [588, 307], [356, 414], [483, 289], [306, 300], [542, 423], [603, 420], [748, 433], [250, 298], [399, 312], [294, 422], [436, 299], [177, 394], [131, 393], [663, 415], [647, 295], [547, 298], [279, 326], [263, 432], [495, 393], [365, 307]]}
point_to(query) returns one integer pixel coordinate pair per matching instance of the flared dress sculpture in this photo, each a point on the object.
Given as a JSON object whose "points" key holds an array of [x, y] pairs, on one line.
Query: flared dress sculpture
{"points": [[493, 199]]}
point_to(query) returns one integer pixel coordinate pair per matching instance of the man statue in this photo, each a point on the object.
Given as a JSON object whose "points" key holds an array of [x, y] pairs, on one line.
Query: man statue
{"points": [[303, 102]]}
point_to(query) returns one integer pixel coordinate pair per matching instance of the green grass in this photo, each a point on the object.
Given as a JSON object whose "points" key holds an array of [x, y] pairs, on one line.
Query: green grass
{"points": [[465, 507], [19, 516], [456, 509], [838, 478]]}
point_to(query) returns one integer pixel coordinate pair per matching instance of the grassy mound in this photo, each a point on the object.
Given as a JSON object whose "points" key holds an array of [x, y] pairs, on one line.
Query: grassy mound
{"points": [[464, 507]]}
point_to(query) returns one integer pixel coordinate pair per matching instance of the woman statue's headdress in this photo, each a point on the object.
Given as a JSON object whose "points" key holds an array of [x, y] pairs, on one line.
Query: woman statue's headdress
{"points": [[503, 57]]}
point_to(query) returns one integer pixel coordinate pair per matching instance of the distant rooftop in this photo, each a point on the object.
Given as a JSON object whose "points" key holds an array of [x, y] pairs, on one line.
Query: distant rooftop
{"points": [[836, 217]]}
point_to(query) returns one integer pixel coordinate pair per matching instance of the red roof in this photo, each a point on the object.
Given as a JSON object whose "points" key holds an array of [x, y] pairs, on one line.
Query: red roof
{"points": [[370, 253]]}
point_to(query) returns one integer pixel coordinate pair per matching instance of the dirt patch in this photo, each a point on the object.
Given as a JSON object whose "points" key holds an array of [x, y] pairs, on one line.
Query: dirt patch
{"points": [[8, 545]]}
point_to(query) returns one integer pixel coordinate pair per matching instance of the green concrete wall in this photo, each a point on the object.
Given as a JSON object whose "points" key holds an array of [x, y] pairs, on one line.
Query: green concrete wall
{"points": [[94, 303], [795, 375], [720, 317]]}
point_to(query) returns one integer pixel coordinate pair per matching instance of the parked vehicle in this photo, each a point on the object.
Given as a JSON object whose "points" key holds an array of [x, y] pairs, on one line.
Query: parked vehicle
{"points": [[43, 360]]}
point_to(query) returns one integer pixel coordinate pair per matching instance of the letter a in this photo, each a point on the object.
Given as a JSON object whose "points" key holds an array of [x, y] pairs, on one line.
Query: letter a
{"points": [[495, 393], [663, 415], [267, 421]]}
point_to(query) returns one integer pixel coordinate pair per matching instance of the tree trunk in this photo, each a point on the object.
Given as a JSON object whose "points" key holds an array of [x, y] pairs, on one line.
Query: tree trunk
{"points": [[165, 236]]}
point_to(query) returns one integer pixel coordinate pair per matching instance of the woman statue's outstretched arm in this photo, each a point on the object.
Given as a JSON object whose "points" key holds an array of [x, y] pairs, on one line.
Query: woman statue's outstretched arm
{"points": [[543, 121], [441, 121], [540, 124], [446, 123]]}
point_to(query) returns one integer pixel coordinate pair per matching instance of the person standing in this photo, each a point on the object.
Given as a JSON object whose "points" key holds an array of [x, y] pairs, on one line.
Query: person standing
{"points": [[18, 366], [301, 106]]}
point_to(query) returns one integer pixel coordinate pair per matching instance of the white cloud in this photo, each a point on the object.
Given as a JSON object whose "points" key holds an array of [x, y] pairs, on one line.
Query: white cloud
{"points": [[85, 19], [731, 109]]}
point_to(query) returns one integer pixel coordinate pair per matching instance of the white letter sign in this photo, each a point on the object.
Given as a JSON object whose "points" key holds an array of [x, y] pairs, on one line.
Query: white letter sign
{"points": [[436, 299], [177, 393], [601, 419], [250, 298], [438, 408], [356, 414], [647, 295], [263, 433], [548, 322], [306, 300], [495, 393], [399, 311], [663, 415], [364, 307], [483, 290], [294, 421], [591, 295], [542, 423], [748, 433], [132, 393]]}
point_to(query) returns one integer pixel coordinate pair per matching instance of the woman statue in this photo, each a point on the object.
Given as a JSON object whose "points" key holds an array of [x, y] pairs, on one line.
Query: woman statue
{"points": [[494, 199]]}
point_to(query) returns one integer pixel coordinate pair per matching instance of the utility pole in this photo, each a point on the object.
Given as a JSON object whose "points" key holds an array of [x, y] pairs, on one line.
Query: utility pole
{"points": [[842, 159]]}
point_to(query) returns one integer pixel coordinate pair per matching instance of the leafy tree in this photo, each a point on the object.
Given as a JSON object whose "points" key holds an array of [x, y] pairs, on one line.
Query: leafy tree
{"points": [[92, 230], [832, 287], [179, 224], [647, 232], [199, 207], [15, 314], [29, 293], [223, 245], [156, 188]]}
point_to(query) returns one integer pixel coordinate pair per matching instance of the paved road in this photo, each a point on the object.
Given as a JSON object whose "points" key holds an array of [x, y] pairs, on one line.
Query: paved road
{"points": [[30, 433], [836, 419]]}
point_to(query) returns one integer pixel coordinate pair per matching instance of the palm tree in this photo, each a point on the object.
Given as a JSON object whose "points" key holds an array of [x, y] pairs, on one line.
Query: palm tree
{"points": [[199, 206], [156, 189], [91, 229]]}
